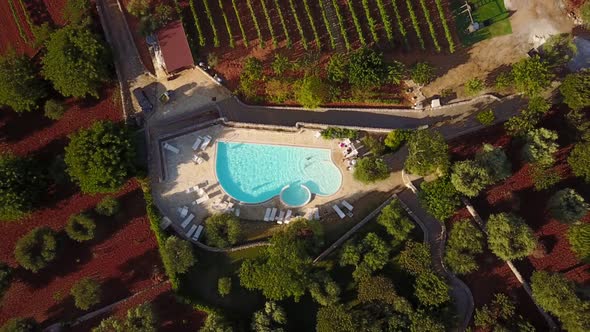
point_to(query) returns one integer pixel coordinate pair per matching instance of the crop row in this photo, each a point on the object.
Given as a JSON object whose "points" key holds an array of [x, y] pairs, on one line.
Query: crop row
{"points": [[227, 26], [327, 24], [298, 23], [256, 25], [21, 31], [371, 20], [385, 19], [316, 36], [443, 19], [341, 24], [357, 23], [430, 25], [415, 23], [269, 23], [197, 23], [27, 16], [242, 30], [400, 24], [283, 23], [211, 23]]}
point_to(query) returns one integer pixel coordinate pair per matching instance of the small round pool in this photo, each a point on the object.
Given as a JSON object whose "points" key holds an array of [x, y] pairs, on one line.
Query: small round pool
{"points": [[295, 195]]}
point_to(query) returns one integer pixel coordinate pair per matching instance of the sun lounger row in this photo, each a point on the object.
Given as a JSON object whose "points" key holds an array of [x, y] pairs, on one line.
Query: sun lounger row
{"points": [[339, 211], [282, 217], [201, 143], [171, 148]]}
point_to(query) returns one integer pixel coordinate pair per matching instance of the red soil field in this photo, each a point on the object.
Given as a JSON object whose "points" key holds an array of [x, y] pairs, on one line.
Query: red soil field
{"points": [[9, 33]]}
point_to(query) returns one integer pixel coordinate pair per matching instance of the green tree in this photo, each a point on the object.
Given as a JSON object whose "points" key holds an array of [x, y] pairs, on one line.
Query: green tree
{"points": [[431, 289], [422, 73], [108, 206], [370, 169], [216, 323], [544, 177], [179, 253], [474, 86], [540, 146], [271, 318], [424, 322], [280, 64], [509, 237], [579, 160], [495, 162], [567, 206], [396, 223], [369, 255], [54, 109], [35, 250], [486, 117], [440, 198], [575, 90], [529, 118], [428, 153], [469, 178], [86, 293], [557, 295], [531, 75], [222, 230], [579, 238], [20, 325], [80, 228], [396, 138], [141, 319], [76, 62], [578, 127], [20, 87], [224, 286], [366, 68], [337, 68], [313, 92], [100, 158], [6, 274], [378, 288], [77, 11], [334, 318], [465, 241], [21, 185], [324, 290], [415, 258], [500, 315]]}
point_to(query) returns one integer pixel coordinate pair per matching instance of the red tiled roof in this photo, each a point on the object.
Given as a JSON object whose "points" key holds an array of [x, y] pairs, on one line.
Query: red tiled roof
{"points": [[174, 45]]}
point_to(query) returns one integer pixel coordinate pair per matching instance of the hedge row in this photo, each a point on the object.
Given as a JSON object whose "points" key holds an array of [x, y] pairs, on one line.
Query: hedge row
{"points": [[385, 19], [197, 23], [357, 23], [430, 25], [21, 31], [269, 23], [256, 25], [443, 19], [211, 23], [371, 21], [316, 35], [415, 23], [283, 24], [298, 23], [227, 26], [341, 23], [400, 23]]}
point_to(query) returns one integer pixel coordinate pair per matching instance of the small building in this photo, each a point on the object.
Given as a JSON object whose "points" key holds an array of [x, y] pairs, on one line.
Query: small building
{"points": [[176, 54]]}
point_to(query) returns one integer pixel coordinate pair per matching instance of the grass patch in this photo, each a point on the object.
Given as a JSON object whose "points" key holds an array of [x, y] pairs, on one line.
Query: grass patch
{"points": [[491, 13]]}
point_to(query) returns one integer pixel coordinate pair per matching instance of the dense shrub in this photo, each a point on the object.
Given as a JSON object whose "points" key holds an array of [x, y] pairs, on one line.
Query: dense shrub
{"points": [[271, 318], [336, 132], [370, 169], [179, 253], [431, 289], [20, 87], [415, 258], [509, 237], [77, 11], [377, 288], [422, 73], [469, 178], [324, 290], [504, 81], [252, 72], [21, 184], [222, 230], [54, 109], [439, 198], [86, 293], [486, 117], [100, 158], [37, 249], [575, 90], [544, 177], [567, 206], [500, 315], [369, 255], [140, 318], [334, 318], [396, 138], [374, 145], [396, 72], [579, 160], [531, 75], [5, 278], [313, 92], [465, 241], [474, 86], [224, 286], [366, 68], [278, 90], [540, 146], [80, 228], [280, 64], [396, 223], [495, 162], [579, 238], [338, 68], [428, 153], [20, 325], [108, 206], [559, 49]]}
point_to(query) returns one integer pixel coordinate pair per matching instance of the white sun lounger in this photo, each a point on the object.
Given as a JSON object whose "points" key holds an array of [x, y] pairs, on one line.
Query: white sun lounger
{"points": [[191, 231], [197, 143], [206, 142], [338, 211], [171, 148], [317, 134], [192, 189], [316, 214], [201, 199], [347, 205], [183, 211], [288, 216], [237, 212], [267, 214], [198, 233], [187, 221], [165, 223], [273, 214], [281, 216], [198, 160]]}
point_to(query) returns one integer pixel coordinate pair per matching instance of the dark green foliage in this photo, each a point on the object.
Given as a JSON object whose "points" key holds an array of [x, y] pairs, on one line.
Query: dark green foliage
{"points": [[179, 253], [76, 62], [396, 72], [509, 237], [21, 184], [554, 293], [251, 74], [54, 109], [374, 145], [578, 127], [80, 228], [5, 278], [224, 286], [567, 206], [531, 75], [222, 230], [366, 68], [428, 153], [465, 241], [324, 290], [396, 138], [37, 249], [21, 325], [528, 119], [338, 68], [86, 293], [396, 223], [336, 132], [313, 92], [423, 322], [100, 158], [431, 289], [271, 318], [469, 178], [334, 318], [540, 146], [504, 81], [139, 319], [575, 90], [559, 49], [544, 177], [378, 288], [579, 160], [486, 117], [370, 169], [108, 206], [20, 87], [422, 73], [579, 238], [439, 198], [495, 162], [499, 315], [77, 11], [415, 258], [216, 323], [369, 255]]}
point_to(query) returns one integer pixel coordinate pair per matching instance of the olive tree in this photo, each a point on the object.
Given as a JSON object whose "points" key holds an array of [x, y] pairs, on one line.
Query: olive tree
{"points": [[431, 289], [469, 178], [567, 206], [21, 185], [271, 318], [396, 223], [179, 253], [440, 198], [86, 293], [428, 153], [222, 230], [465, 241], [37, 249], [509, 237], [531, 75], [224, 286], [80, 228], [579, 160], [369, 255], [20, 87], [370, 169], [366, 68], [575, 90], [579, 238], [540, 146], [495, 162]]}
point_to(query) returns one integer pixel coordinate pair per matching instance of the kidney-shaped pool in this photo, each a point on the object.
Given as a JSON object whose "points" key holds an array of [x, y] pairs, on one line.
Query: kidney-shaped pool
{"points": [[255, 173]]}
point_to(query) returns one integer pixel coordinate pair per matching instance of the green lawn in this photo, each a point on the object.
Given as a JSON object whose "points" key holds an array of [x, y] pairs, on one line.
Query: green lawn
{"points": [[491, 13]]}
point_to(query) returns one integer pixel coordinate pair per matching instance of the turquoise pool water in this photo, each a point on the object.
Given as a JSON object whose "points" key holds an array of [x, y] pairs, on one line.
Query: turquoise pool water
{"points": [[254, 173]]}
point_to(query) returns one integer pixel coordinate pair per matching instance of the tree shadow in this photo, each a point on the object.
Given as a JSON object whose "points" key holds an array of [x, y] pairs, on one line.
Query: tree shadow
{"points": [[38, 12], [15, 127]]}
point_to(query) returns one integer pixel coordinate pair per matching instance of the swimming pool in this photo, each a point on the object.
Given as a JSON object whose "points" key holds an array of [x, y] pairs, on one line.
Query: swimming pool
{"points": [[255, 173]]}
